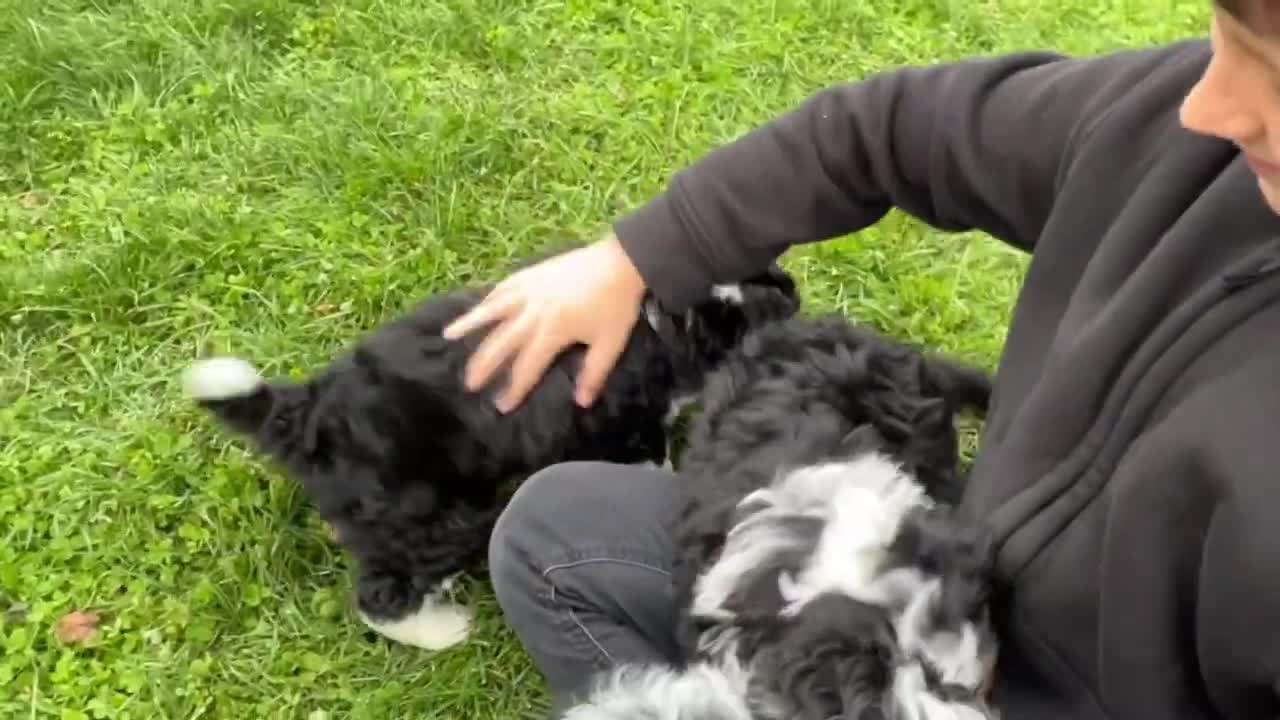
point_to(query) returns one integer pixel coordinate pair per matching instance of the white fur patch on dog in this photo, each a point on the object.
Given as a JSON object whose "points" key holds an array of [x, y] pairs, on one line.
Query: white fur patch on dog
{"points": [[954, 653], [911, 695], [652, 315], [438, 624], [702, 691], [860, 502], [731, 294], [220, 378], [866, 510], [666, 465]]}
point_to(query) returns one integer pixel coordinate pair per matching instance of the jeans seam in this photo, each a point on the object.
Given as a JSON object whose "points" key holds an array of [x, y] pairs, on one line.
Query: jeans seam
{"points": [[582, 628], [546, 573], [581, 559]]}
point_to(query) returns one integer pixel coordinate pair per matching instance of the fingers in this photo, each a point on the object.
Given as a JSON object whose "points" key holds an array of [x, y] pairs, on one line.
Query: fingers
{"points": [[496, 306], [529, 367], [599, 361], [493, 352]]}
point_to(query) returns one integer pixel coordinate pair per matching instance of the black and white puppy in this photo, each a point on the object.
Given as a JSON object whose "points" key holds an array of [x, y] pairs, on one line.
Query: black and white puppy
{"points": [[809, 391], [818, 573], [841, 591], [409, 468]]}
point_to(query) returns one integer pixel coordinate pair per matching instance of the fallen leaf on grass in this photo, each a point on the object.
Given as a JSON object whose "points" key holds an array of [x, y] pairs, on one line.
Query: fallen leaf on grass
{"points": [[31, 200], [77, 627], [17, 613]]}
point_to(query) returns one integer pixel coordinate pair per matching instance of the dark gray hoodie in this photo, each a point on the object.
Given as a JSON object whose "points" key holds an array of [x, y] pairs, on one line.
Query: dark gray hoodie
{"points": [[1129, 475]]}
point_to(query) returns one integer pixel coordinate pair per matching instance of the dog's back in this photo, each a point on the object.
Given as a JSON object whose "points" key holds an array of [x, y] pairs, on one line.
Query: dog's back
{"points": [[811, 388]]}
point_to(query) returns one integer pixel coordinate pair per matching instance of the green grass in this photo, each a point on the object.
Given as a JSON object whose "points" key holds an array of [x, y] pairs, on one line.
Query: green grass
{"points": [[272, 176]]}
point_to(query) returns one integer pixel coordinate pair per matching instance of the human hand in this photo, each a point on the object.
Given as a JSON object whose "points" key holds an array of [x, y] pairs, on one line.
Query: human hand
{"points": [[589, 295]]}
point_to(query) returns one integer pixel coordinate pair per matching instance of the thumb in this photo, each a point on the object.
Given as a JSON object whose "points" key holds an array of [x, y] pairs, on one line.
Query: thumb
{"points": [[596, 366]]}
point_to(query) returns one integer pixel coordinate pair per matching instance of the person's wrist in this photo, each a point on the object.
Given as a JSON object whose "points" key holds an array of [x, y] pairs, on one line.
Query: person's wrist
{"points": [[629, 277]]}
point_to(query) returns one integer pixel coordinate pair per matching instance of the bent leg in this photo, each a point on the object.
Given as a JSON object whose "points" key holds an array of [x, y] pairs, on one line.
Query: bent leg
{"points": [[580, 565]]}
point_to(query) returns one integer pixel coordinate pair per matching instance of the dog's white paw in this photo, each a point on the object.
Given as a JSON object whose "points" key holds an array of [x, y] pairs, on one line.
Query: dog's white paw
{"points": [[220, 378], [438, 624]]}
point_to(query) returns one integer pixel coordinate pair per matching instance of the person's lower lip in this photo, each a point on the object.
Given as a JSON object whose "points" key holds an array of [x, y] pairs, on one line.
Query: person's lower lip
{"points": [[1262, 167]]}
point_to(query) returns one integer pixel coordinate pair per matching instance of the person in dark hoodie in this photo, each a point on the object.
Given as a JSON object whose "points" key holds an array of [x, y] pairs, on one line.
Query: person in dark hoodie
{"points": [[1129, 470]]}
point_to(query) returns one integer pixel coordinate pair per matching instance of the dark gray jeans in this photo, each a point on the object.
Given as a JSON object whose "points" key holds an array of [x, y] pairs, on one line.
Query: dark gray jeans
{"points": [[579, 564]]}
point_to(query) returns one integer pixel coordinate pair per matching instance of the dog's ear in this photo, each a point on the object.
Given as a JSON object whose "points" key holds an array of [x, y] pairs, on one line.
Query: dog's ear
{"points": [[346, 419], [934, 541], [776, 277], [352, 433], [835, 660], [963, 386], [770, 296], [930, 415]]}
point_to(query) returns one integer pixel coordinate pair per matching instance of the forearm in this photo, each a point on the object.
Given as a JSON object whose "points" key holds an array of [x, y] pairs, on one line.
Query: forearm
{"points": [[977, 144]]}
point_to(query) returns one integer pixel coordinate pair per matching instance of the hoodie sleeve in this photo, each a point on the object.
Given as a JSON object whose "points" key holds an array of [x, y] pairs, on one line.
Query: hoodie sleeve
{"points": [[970, 145]]}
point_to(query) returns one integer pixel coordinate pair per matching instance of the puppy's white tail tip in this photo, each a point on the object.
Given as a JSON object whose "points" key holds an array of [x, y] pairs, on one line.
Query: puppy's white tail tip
{"points": [[220, 378]]}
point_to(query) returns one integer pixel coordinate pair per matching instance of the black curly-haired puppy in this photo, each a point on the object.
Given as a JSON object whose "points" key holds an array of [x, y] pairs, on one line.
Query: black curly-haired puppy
{"points": [[819, 572], [408, 467]]}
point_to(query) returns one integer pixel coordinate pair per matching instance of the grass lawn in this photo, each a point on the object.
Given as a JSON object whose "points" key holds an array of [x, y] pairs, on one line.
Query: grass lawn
{"points": [[271, 176]]}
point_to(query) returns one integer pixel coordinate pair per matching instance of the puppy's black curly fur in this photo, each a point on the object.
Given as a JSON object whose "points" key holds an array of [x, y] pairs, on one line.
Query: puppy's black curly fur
{"points": [[408, 466], [835, 659]]}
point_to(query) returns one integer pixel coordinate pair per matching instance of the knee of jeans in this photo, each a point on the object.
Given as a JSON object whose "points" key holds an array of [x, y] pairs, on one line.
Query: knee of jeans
{"points": [[520, 531]]}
